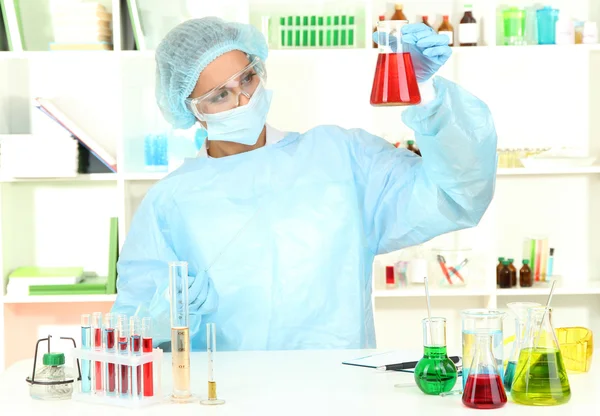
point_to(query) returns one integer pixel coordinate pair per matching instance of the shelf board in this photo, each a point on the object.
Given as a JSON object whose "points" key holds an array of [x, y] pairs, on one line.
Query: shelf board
{"points": [[57, 299], [93, 177], [150, 54], [419, 291], [145, 176], [588, 288], [548, 171], [150, 176]]}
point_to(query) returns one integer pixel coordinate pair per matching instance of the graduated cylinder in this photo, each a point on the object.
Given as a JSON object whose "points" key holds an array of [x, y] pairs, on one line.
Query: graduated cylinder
{"points": [[180, 332]]}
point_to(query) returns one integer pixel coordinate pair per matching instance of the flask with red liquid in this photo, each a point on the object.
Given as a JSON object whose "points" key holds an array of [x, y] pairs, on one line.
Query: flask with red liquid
{"points": [[484, 388], [395, 83]]}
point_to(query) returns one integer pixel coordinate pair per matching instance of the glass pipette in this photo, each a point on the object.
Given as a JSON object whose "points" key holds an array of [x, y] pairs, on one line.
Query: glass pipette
{"points": [[211, 346]]}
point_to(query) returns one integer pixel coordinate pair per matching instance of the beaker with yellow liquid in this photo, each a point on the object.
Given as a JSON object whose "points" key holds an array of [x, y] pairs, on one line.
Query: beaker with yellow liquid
{"points": [[541, 377]]}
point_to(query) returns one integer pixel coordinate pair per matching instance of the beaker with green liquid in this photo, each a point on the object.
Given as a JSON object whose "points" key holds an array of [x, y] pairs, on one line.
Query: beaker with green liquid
{"points": [[514, 26], [519, 310], [435, 373], [540, 377]]}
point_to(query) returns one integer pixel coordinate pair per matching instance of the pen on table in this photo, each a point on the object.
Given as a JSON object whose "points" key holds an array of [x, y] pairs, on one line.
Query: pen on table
{"points": [[408, 365]]}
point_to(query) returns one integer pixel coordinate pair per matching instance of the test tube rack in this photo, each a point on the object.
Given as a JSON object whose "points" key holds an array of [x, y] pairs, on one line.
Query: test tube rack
{"points": [[337, 31], [132, 361]]}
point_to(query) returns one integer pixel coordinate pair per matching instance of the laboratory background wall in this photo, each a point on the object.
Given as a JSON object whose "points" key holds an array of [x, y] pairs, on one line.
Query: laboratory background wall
{"points": [[541, 96]]}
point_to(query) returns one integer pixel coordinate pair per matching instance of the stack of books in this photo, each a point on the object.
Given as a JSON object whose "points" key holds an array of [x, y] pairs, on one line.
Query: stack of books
{"points": [[81, 25]]}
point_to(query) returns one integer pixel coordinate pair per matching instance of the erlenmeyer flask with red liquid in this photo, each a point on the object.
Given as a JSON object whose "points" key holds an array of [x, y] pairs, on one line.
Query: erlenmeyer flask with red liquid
{"points": [[395, 83], [484, 388]]}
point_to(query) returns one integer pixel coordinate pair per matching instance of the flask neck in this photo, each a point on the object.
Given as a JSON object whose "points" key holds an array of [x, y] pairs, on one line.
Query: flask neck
{"points": [[483, 346], [434, 332], [540, 332], [436, 352]]}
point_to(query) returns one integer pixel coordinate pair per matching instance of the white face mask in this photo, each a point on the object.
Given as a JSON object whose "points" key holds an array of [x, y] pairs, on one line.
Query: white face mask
{"points": [[242, 124]]}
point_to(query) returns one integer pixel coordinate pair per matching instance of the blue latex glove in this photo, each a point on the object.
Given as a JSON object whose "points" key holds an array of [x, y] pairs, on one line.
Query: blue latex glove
{"points": [[428, 50]]}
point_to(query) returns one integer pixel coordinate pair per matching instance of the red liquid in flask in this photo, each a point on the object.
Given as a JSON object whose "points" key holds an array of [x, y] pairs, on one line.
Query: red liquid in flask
{"points": [[395, 82], [148, 371], [124, 369], [110, 368], [98, 364], [484, 391]]}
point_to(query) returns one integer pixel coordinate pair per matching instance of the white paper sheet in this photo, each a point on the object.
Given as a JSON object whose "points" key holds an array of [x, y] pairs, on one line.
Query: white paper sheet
{"points": [[389, 357], [385, 358]]}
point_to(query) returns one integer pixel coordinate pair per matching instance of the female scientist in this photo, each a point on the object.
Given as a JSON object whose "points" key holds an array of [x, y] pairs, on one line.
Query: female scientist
{"points": [[280, 230]]}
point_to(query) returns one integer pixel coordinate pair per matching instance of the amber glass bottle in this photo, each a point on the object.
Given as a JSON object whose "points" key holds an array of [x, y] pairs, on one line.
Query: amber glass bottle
{"points": [[398, 14], [525, 279], [447, 29]]}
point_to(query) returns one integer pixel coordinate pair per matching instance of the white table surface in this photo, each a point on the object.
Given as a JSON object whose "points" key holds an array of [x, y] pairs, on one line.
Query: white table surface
{"points": [[295, 383]]}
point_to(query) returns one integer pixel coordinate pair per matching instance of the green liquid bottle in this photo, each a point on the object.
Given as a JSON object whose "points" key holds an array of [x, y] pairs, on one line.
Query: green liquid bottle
{"points": [[298, 40], [282, 30], [435, 373], [321, 31], [336, 31], [290, 32], [305, 31], [540, 377]]}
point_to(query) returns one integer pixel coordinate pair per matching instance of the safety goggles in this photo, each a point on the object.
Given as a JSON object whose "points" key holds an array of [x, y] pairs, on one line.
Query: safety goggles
{"points": [[226, 96]]}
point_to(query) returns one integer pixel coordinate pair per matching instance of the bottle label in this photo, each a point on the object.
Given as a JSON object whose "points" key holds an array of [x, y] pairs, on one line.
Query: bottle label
{"points": [[467, 33], [449, 34]]}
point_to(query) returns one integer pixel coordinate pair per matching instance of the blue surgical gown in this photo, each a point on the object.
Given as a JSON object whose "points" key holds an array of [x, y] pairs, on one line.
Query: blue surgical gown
{"points": [[280, 240]]}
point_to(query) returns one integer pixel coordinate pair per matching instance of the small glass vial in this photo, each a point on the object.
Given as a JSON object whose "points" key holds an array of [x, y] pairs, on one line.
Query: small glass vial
{"points": [[53, 371], [525, 278], [504, 276], [513, 272], [498, 268], [435, 373], [390, 277]]}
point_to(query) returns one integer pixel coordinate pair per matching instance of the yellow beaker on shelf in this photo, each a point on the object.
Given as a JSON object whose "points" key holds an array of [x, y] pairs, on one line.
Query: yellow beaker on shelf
{"points": [[576, 346]]}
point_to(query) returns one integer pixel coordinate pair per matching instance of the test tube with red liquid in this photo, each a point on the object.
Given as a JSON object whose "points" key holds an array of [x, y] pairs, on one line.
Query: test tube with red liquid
{"points": [[395, 83], [110, 347], [135, 344], [123, 349], [97, 345], [147, 348]]}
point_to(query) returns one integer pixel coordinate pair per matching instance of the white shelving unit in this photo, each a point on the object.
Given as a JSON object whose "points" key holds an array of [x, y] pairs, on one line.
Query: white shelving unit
{"points": [[111, 94], [58, 299]]}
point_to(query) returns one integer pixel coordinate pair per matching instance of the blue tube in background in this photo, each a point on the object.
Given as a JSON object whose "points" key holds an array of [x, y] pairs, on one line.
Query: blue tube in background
{"points": [[550, 264]]}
